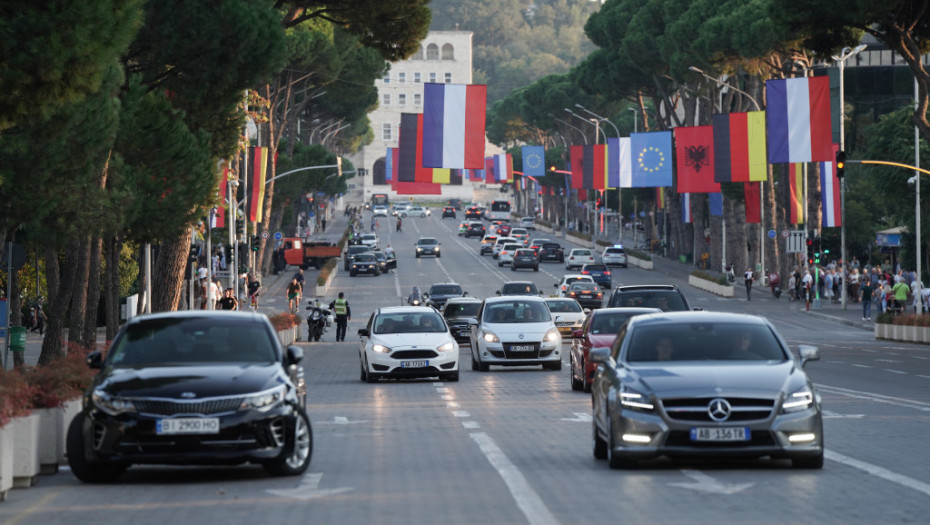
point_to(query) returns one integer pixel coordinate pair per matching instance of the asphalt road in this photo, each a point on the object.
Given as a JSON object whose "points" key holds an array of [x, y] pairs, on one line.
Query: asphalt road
{"points": [[513, 445]]}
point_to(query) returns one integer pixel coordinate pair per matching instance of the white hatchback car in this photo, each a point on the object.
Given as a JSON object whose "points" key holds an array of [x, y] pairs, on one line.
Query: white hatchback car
{"points": [[614, 256], [567, 280], [380, 211], [506, 254], [571, 314], [515, 331], [407, 342], [499, 245], [415, 211], [370, 240], [579, 257]]}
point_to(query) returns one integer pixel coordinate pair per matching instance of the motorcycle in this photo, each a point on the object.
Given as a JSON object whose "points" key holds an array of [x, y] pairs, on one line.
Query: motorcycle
{"points": [[731, 277], [319, 318], [774, 281]]}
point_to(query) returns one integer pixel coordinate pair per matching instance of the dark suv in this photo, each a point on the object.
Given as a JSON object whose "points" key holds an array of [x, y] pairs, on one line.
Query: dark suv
{"points": [[448, 211], [473, 213], [551, 251], [351, 252], [440, 293], [518, 288], [665, 297]]}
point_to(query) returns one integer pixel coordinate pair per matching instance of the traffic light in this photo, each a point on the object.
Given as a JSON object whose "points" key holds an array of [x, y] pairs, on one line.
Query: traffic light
{"points": [[816, 257], [600, 204], [254, 242], [810, 261], [840, 164]]}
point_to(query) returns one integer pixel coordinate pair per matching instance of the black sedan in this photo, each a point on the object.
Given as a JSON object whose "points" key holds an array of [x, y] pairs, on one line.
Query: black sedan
{"points": [[525, 258], [192, 387], [551, 251], [458, 312], [475, 229], [366, 263], [685, 384], [586, 293], [427, 246]]}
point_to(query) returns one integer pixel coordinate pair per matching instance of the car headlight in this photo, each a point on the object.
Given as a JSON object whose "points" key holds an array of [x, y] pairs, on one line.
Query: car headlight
{"points": [[111, 405], [799, 400], [419, 249], [381, 349], [552, 336], [448, 347], [491, 337], [264, 401], [634, 399]]}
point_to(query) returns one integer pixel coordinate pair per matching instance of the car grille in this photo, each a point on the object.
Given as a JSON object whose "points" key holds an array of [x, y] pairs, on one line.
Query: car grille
{"points": [[682, 438], [414, 354], [695, 409], [202, 406]]}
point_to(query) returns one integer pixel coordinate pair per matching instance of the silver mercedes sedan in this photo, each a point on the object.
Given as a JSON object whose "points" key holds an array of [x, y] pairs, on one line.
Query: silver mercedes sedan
{"points": [[702, 384]]}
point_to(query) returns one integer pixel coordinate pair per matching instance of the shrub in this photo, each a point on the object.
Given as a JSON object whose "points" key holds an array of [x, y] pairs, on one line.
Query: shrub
{"points": [[714, 278], [62, 380], [903, 320], [638, 254], [325, 271], [15, 395], [283, 321]]}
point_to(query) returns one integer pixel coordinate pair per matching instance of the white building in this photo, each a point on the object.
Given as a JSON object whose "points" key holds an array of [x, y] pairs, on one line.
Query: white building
{"points": [[444, 57]]}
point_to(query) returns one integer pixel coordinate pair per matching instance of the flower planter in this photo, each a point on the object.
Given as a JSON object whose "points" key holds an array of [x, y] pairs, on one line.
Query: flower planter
{"points": [[907, 334], [289, 335], [6, 460], [710, 286], [53, 427], [70, 410], [639, 263], [25, 450]]}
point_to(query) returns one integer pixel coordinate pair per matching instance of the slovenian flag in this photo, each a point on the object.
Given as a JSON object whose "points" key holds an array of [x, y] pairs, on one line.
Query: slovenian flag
{"points": [[798, 120], [453, 125], [830, 193]]}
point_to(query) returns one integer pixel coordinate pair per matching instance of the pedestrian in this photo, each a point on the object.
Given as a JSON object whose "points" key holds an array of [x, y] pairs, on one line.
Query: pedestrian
{"points": [[900, 290], [916, 287], [299, 275], [323, 225], [865, 291], [807, 285], [229, 302], [792, 288], [748, 279], [373, 221], [255, 287], [854, 284], [828, 284], [389, 252], [40, 320], [797, 282], [340, 307], [399, 224], [293, 295]]}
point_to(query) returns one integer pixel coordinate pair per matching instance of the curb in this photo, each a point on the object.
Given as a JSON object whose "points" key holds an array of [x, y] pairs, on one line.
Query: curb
{"points": [[840, 320]]}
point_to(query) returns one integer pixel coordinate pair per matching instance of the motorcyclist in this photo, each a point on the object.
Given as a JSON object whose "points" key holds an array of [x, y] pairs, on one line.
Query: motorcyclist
{"points": [[415, 298]]}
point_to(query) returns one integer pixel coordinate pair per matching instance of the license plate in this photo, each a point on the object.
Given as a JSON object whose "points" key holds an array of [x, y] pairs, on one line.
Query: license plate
{"points": [[189, 425], [521, 348], [720, 434], [414, 364]]}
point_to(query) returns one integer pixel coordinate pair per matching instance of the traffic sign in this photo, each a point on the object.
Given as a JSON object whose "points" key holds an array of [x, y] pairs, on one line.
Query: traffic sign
{"points": [[796, 242], [772, 234], [785, 233], [265, 234], [278, 236]]}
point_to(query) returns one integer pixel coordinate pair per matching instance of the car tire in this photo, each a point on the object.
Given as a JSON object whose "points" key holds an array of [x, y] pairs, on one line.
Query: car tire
{"points": [[536, 268], [576, 384], [297, 461], [418, 256], [438, 255], [477, 365], [808, 462], [81, 468], [600, 446], [345, 267], [352, 273], [555, 367], [422, 215], [452, 378]]}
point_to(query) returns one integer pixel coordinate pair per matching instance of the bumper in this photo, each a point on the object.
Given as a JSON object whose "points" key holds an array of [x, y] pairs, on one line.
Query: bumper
{"points": [[388, 365], [569, 328], [495, 354]]}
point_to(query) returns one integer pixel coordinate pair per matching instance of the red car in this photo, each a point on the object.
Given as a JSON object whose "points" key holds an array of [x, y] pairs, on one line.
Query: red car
{"points": [[599, 329], [504, 230]]}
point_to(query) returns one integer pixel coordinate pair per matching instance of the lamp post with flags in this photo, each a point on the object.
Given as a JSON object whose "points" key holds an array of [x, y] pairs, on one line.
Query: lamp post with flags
{"points": [[617, 131]]}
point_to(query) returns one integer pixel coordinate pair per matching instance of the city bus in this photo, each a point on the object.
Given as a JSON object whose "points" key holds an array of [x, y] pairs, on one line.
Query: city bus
{"points": [[498, 211], [379, 199]]}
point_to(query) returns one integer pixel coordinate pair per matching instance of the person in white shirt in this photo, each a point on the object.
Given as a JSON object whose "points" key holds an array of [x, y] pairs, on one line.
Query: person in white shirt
{"points": [[807, 284], [748, 278], [916, 293]]}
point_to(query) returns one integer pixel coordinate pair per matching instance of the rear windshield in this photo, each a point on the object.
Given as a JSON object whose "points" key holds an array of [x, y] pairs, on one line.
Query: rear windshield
{"points": [[519, 289], [462, 309], [564, 306], [446, 289], [665, 300]]}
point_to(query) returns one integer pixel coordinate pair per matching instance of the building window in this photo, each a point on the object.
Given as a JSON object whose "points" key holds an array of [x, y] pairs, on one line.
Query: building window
{"points": [[401, 99], [432, 77], [448, 53], [418, 55], [401, 77], [386, 132], [416, 78], [386, 99], [387, 78], [432, 52], [448, 77], [417, 99]]}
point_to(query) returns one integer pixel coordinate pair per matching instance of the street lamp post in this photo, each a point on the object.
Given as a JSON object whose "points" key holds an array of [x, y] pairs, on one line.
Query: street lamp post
{"points": [[619, 194], [594, 122], [844, 55], [579, 130]]}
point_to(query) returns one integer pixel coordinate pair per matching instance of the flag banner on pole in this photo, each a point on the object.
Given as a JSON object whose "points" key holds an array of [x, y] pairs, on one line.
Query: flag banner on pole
{"points": [[577, 166], [625, 162], [418, 188], [798, 120], [830, 193], [489, 171], [652, 159], [422, 173], [715, 204], [534, 161], [219, 220], [456, 176], [389, 165], [258, 170], [739, 147], [686, 216], [753, 206], [503, 168], [475, 175], [660, 198], [796, 193], [407, 160], [582, 195], [592, 164], [613, 162], [454, 125], [694, 153], [441, 175]]}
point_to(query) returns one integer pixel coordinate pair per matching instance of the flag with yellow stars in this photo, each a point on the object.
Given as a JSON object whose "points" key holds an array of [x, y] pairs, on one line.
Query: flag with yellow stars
{"points": [[651, 159]]}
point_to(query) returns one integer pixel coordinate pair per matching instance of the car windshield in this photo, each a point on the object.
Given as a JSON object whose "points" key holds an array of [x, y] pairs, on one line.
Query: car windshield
{"points": [[526, 253], [595, 268], [380, 256], [704, 341], [570, 280], [569, 306], [517, 312], [519, 289], [423, 242], [446, 289], [368, 236], [609, 322], [614, 251], [409, 323], [365, 257], [583, 286], [462, 309], [169, 341], [665, 300]]}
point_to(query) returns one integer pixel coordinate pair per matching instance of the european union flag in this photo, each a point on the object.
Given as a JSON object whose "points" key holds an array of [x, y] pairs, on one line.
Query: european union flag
{"points": [[652, 159], [534, 161]]}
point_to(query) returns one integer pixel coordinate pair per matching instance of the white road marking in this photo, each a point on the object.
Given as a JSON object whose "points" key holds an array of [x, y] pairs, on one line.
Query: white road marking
{"points": [[340, 420], [704, 483], [527, 500], [835, 415], [308, 488], [860, 366], [443, 390], [887, 360], [580, 417], [460, 413], [895, 371], [879, 472], [470, 424], [878, 398], [453, 405], [925, 377], [447, 398]]}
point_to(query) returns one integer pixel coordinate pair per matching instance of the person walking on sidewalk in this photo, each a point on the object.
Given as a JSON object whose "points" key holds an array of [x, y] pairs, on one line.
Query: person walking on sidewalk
{"points": [[340, 307], [865, 292], [748, 278]]}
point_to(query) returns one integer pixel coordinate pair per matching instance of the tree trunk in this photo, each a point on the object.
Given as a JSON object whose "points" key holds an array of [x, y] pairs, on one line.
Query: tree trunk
{"points": [[60, 281], [79, 294], [16, 317], [112, 249], [168, 272], [89, 337]]}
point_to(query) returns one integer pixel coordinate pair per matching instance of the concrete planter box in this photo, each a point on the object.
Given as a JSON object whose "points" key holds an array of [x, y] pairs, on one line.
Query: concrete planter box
{"points": [[53, 427], [710, 286], [321, 290], [639, 263], [25, 450], [907, 334], [290, 335], [6, 460]]}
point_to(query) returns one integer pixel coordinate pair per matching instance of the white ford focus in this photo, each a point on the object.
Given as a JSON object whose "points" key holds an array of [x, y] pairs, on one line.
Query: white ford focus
{"points": [[407, 342], [515, 331]]}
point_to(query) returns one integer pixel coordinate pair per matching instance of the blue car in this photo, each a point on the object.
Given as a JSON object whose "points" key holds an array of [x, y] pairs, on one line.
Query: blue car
{"points": [[599, 272]]}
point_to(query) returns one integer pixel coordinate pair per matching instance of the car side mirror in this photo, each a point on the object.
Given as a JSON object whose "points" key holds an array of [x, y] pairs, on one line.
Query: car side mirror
{"points": [[808, 353], [498, 292], [94, 360], [464, 294], [426, 296], [586, 311], [363, 332], [697, 309], [556, 285], [600, 355], [295, 354]]}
